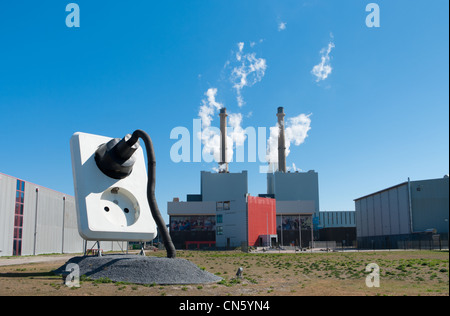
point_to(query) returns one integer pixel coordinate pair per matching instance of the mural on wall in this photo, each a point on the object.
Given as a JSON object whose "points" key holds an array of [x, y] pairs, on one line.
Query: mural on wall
{"points": [[192, 223]]}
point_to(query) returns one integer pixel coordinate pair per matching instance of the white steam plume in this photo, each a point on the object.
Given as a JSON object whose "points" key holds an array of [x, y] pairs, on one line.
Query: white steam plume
{"points": [[210, 135], [322, 70], [296, 130], [249, 71]]}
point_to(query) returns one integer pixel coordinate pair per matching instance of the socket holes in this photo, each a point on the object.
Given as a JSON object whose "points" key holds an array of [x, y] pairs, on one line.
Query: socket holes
{"points": [[126, 210], [123, 207]]}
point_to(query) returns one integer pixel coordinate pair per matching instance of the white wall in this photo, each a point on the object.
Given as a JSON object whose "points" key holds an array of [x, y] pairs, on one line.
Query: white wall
{"points": [[384, 213], [7, 203]]}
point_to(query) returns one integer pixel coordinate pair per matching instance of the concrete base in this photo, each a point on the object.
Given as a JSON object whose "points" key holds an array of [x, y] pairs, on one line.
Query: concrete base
{"points": [[140, 269]]}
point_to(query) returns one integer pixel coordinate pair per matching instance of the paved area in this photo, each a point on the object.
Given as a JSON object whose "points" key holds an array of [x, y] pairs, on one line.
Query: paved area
{"points": [[9, 261]]}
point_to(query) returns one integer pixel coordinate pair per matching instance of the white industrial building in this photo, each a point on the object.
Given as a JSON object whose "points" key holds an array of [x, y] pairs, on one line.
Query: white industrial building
{"points": [[36, 220], [407, 212]]}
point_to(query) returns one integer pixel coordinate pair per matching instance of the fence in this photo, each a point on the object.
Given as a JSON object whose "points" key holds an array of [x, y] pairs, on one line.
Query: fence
{"points": [[423, 245], [395, 242], [419, 241]]}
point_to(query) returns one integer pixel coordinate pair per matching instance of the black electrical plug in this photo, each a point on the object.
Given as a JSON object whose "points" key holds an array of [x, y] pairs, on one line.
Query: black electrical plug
{"points": [[115, 158]]}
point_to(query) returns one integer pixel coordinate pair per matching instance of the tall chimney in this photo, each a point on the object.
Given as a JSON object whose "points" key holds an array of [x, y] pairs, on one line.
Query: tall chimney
{"points": [[223, 165], [281, 141]]}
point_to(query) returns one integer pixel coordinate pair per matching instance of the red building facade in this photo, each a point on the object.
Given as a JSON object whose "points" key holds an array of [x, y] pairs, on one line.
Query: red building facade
{"points": [[262, 229]]}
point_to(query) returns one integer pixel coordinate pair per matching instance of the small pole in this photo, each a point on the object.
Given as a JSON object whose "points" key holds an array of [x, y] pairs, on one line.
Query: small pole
{"points": [[35, 221], [64, 216], [142, 253], [281, 231], [299, 233], [267, 228]]}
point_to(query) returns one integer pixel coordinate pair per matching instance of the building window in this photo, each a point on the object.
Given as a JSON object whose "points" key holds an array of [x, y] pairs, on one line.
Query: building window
{"points": [[219, 219], [223, 206], [219, 230], [18, 218]]}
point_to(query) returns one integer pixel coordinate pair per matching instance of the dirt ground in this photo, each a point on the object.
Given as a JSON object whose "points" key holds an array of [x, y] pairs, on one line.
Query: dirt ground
{"points": [[409, 273]]}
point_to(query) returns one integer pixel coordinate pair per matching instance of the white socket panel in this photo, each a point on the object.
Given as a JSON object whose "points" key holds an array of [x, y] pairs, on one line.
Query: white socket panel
{"points": [[107, 208]]}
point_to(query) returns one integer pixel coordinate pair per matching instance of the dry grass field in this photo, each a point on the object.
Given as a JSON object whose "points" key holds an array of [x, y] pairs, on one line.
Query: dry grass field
{"points": [[402, 273]]}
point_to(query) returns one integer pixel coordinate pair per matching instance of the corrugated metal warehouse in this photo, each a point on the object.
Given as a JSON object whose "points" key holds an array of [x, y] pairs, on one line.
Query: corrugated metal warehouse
{"points": [[409, 211], [37, 220]]}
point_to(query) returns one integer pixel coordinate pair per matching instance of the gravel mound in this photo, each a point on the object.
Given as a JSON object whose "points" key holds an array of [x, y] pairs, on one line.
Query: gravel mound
{"points": [[140, 269]]}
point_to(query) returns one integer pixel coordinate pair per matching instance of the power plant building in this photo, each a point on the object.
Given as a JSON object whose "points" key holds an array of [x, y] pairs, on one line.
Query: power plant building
{"points": [[297, 201], [225, 215]]}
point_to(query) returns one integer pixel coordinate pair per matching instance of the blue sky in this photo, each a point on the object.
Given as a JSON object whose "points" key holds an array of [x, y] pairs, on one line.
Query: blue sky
{"points": [[380, 116]]}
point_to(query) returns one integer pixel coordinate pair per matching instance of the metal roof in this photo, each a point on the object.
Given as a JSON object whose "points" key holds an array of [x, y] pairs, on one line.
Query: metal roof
{"points": [[387, 189]]}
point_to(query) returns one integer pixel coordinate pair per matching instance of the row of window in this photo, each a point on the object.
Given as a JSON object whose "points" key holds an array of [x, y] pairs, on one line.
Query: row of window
{"points": [[223, 206], [18, 218]]}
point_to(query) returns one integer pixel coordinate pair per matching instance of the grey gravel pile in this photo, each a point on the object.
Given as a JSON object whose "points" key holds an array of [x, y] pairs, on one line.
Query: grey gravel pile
{"points": [[140, 269]]}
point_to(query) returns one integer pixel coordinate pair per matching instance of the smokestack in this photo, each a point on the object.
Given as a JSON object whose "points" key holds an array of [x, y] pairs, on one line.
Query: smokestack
{"points": [[281, 141], [223, 165]]}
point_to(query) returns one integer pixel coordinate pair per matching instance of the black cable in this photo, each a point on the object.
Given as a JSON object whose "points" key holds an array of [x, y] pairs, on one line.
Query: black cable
{"points": [[170, 248]]}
